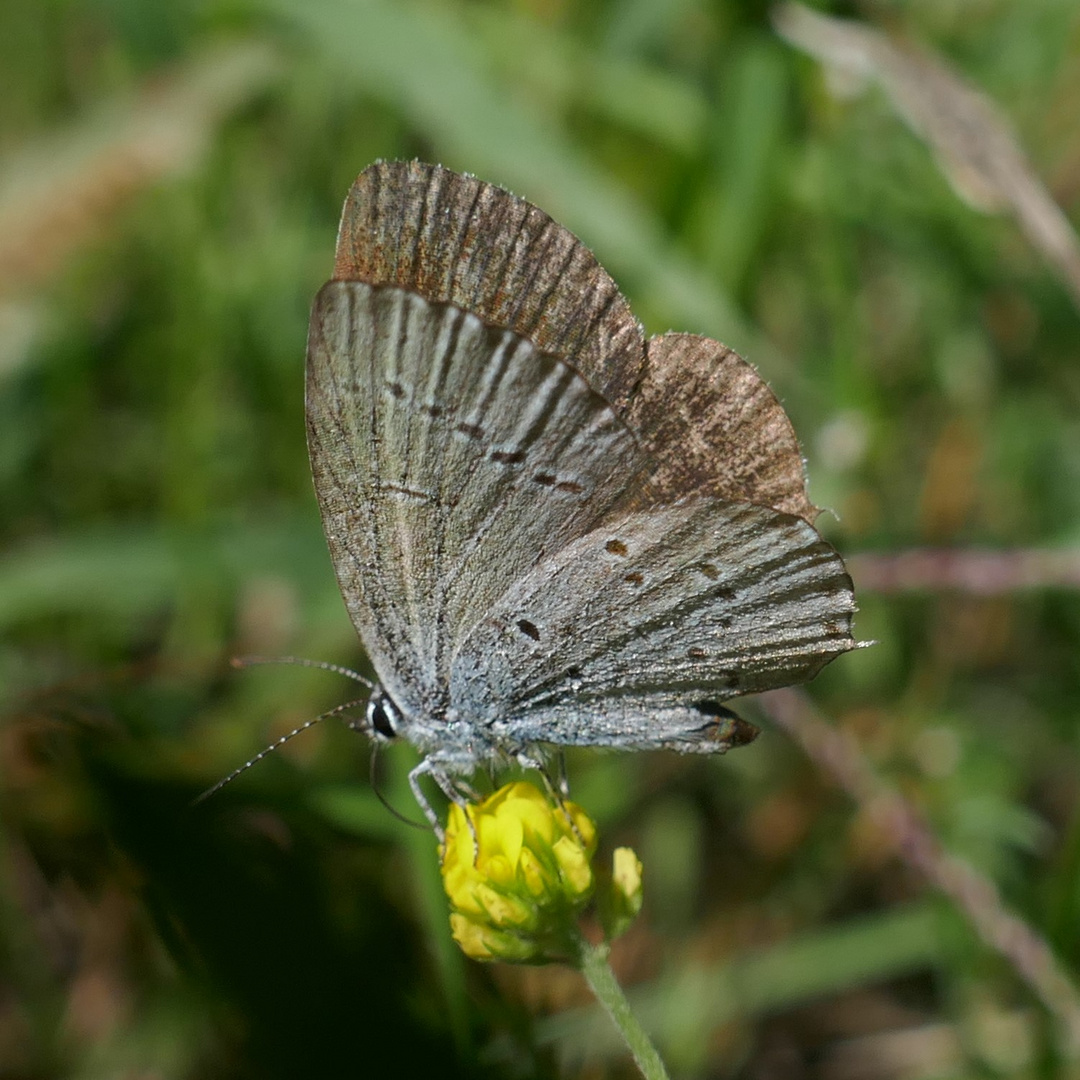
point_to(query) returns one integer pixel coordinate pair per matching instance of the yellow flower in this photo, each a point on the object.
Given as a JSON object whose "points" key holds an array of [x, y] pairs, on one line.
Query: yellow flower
{"points": [[517, 885]]}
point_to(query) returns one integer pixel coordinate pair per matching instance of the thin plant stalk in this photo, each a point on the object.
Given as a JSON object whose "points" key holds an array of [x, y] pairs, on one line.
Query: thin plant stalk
{"points": [[601, 979]]}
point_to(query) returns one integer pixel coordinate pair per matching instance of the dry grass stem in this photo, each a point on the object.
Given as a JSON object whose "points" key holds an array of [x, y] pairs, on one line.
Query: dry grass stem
{"points": [[838, 755], [982, 573], [972, 141]]}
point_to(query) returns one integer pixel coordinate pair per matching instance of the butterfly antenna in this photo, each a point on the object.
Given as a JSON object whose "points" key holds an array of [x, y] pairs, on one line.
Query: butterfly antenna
{"points": [[276, 745], [382, 798], [299, 661]]}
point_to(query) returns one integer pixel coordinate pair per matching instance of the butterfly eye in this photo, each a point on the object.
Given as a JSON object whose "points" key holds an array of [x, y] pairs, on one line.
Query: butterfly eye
{"points": [[379, 717]]}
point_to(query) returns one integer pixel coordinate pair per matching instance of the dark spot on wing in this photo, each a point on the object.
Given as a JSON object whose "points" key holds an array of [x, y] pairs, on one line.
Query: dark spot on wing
{"points": [[714, 708], [570, 486], [508, 457], [616, 547], [545, 478], [473, 431], [710, 571], [529, 629], [726, 593], [397, 389], [696, 654], [432, 409], [634, 578], [407, 492]]}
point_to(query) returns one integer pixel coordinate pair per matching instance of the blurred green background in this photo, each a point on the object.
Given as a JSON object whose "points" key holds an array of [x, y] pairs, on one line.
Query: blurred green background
{"points": [[170, 181]]}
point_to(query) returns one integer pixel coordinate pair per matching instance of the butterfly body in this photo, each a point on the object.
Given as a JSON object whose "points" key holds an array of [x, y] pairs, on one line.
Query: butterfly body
{"points": [[548, 531]]}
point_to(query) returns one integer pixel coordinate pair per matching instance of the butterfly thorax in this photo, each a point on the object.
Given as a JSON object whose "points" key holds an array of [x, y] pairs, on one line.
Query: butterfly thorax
{"points": [[456, 744]]}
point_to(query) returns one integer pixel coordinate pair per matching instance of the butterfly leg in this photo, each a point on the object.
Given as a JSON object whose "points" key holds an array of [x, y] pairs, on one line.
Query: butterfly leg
{"points": [[453, 792], [558, 789], [563, 779], [461, 793], [424, 768], [463, 788]]}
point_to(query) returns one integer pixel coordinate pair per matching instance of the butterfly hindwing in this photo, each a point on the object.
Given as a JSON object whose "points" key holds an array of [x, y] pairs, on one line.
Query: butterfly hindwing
{"points": [[651, 616]]}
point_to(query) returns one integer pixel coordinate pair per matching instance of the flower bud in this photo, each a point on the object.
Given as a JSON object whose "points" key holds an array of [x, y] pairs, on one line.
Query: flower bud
{"points": [[623, 900]]}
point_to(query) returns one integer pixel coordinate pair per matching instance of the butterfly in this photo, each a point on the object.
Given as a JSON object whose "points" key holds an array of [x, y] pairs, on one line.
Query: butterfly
{"points": [[548, 531]]}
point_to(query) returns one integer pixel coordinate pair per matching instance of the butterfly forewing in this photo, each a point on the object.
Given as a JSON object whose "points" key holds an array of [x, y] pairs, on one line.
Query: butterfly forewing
{"points": [[652, 611], [449, 458], [706, 417]]}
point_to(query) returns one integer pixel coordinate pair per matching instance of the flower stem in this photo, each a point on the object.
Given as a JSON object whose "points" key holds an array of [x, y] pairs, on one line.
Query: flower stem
{"points": [[597, 971]]}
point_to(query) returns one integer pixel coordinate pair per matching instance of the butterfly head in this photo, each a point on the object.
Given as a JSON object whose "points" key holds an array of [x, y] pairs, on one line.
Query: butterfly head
{"points": [[382, 719]]}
